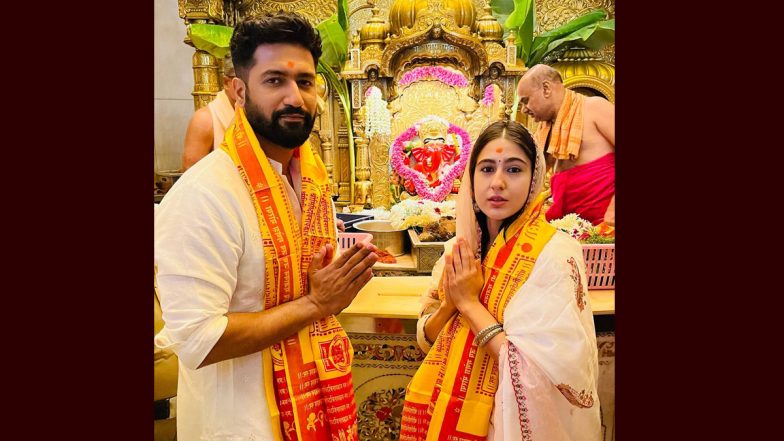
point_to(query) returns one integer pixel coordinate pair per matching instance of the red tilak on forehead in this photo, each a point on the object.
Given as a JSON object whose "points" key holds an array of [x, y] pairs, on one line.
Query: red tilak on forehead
{"points": [[290, 64], [499, 150]]}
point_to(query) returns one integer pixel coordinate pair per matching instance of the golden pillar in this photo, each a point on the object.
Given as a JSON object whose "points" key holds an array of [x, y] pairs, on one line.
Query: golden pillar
{"points": [[324, 131], [326, 151], [362, 187], [206, 78]]}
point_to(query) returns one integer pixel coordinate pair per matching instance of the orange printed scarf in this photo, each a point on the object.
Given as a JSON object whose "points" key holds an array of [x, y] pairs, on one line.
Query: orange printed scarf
{"points": [[307, 376], [451, 395], [567, 130]]}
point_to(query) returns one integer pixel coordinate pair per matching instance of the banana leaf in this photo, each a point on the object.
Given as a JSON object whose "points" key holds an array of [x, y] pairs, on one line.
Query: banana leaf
{"points": [[213, 39], [341, 88], [541, 42], [501, 9], [594, 36], [334, 42], [343, 14], [522, 21]]}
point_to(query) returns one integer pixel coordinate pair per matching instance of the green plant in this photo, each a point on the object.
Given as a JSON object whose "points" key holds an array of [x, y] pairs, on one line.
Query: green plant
{"points": [[591, 30], [210, 38]]}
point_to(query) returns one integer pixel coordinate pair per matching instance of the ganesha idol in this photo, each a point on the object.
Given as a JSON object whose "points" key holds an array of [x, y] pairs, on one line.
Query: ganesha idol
{"points": [[430, 156]]}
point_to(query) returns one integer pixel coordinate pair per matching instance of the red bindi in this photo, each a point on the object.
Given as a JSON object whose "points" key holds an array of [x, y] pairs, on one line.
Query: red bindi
{"points": [[499, 150], [290, 64]]}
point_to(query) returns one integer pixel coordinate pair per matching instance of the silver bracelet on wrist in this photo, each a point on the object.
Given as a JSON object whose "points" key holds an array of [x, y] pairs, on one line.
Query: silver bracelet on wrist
{"points": [[482, 333], [490, 335]]}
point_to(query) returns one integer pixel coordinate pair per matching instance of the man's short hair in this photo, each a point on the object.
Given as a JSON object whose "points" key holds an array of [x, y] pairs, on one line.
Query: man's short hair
{"points": [[282, 27]]}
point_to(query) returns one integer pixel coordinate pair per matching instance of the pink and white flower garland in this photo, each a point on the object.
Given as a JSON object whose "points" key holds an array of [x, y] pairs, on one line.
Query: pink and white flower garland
{"points": [[489, 97], [448, 173], [446, 76]]}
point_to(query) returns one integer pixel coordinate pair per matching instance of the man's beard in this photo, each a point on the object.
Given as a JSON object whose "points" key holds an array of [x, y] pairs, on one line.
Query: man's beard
{"points": [[285, 135]]}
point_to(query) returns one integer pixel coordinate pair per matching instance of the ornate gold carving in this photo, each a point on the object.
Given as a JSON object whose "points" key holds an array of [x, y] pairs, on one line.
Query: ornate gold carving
{"points": [[590, 82], [355, 59], [201, 9], [495, 53], [363, 194], [554, 13], [362, 185], [421, 99], [371, 55], [361, 12], [326, 153], [379, 171], [344, 175], [363, 163], [315, 11], [406, 16], [509, 91], [427, 53], [395, 46], [480, 117], [473, 45], [414, 22], [344, 193], [608, 54], [391, 60]]}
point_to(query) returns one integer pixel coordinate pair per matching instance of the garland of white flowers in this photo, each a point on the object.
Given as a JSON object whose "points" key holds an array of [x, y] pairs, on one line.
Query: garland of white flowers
{"points": [[377, 118], [573, 225], [419, 212]]}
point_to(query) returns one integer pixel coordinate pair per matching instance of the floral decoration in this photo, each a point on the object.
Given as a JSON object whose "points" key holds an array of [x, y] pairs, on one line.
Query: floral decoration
{"points": [[489, 96], [583, 230], [446, 76], [433, 183], [418, 213]]}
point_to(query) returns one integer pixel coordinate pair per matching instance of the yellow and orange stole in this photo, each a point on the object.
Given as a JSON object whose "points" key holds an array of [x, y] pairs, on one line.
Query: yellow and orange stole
{"points": [[308, 375], [567, 129], [451, 395]]}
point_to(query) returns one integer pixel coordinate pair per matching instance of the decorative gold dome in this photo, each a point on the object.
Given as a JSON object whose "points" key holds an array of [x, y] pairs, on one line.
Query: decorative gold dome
{"points": [[375, 29], [579, 62], [582, 68], [403, 13], [488, 27]]}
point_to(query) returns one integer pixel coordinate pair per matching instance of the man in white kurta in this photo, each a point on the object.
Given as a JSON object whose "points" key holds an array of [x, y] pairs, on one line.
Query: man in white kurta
{"points": [[228, 229], [210, 257]]}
